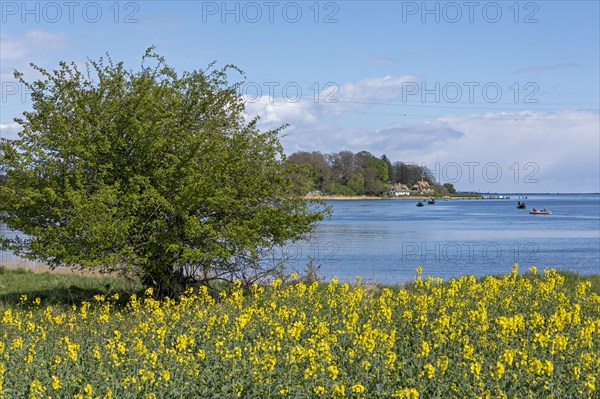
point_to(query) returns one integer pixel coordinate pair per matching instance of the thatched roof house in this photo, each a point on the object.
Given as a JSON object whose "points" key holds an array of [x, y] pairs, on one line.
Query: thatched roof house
{"points": [[422, 187]]}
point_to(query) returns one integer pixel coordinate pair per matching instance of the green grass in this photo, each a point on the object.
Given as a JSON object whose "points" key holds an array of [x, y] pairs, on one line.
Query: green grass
{"points": [[68, 289], [57, 288]]}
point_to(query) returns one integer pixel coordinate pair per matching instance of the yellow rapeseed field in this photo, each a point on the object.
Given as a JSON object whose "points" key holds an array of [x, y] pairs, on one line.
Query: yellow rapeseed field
{"points": [[498, 337]]}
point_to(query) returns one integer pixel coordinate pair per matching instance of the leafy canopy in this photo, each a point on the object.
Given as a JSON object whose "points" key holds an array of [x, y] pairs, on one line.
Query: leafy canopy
{"points": [[148, 172]]}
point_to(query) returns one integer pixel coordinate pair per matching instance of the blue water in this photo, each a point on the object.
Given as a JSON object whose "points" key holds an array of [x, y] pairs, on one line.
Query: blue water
{"points": [[384, 241]]}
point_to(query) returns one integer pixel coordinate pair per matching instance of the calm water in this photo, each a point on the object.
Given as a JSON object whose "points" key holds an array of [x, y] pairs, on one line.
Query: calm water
{"points": [[385, 241]]}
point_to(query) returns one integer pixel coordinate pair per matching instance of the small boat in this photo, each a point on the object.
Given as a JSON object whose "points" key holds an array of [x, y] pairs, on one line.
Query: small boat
{"points": [[431, 201], [520, 205], [420, 203], [540, 212]]}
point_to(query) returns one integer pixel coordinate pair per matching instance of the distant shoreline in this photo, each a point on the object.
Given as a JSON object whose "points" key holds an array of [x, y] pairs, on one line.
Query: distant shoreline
{"points": [[513, 196], [364, 197]]}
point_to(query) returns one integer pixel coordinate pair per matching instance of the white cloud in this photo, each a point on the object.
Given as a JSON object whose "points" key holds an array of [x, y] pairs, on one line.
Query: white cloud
{"points": [[367, 93], [332, 101], [9, 130], [534, 151], [34, 41], [537, 150]]}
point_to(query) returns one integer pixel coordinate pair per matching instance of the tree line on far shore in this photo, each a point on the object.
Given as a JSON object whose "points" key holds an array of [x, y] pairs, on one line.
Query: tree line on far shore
{"points": [[361, 173]]}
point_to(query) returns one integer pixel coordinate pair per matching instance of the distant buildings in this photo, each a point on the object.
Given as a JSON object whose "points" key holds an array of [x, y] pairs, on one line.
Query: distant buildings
{"points": [[420, 187], [398, 190]]}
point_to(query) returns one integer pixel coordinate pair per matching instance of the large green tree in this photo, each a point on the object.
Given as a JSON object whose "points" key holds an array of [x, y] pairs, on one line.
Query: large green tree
{"points": [[149, 172]]}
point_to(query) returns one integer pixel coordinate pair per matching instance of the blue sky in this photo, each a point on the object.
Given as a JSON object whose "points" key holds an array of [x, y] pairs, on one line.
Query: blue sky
{"points": [[492, 96]]}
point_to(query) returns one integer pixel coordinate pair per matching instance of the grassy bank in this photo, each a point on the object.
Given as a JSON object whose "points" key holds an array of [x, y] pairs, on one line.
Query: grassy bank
{"points": [[517, 335], [65, 287], [57, 287]]}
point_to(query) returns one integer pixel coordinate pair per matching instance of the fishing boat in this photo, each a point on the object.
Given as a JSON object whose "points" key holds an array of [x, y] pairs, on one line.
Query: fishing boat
{"points": [[520, 205], [540, 212], [431, 201], [420, 203]]}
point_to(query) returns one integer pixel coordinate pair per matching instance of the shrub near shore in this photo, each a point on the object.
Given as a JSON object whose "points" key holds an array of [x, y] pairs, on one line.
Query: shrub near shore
{"points": [[508, 336]]}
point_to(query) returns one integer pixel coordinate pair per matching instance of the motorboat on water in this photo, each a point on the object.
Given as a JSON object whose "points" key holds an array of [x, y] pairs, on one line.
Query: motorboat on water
{"points": [[431, 201], [420, 203], [521, 205], [540, 212]]}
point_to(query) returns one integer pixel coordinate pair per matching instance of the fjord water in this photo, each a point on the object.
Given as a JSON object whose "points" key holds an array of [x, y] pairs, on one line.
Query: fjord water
{"points": [[384, 241]]}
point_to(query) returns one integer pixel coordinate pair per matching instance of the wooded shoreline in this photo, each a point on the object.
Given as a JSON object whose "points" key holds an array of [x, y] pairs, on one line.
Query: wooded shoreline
{"points": [[364, 197]]}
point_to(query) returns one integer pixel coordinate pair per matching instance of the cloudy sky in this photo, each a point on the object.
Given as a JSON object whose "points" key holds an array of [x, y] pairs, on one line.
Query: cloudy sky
{"points": [[491, 96]]}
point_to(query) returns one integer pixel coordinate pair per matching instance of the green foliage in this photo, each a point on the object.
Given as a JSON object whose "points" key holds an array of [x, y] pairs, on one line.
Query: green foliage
{"points": [[356, 183], [450, 188], [388, 167], [348, 174], [148, 172]]}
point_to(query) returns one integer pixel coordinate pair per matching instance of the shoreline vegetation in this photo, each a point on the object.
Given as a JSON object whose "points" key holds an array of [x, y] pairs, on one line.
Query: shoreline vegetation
{"points": [[406, 197], [35, 277]]}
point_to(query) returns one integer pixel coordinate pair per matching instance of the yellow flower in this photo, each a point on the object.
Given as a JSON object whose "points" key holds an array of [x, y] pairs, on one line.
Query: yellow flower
{"points": [[390, 359], [425, 348], [548, 367], [508, 356], [166, 375], [276, 283], [333, 371], [498, 371], [338, 390], [56, 383], [358, 388], [406, 393], [428, 370], [536, 367], [36, 388], [319, 390], [591, 382], [442, 363], [475, 368]]}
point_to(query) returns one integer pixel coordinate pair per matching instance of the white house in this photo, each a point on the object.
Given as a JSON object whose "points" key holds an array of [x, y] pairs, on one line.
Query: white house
{"points": [[398, 190]]}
